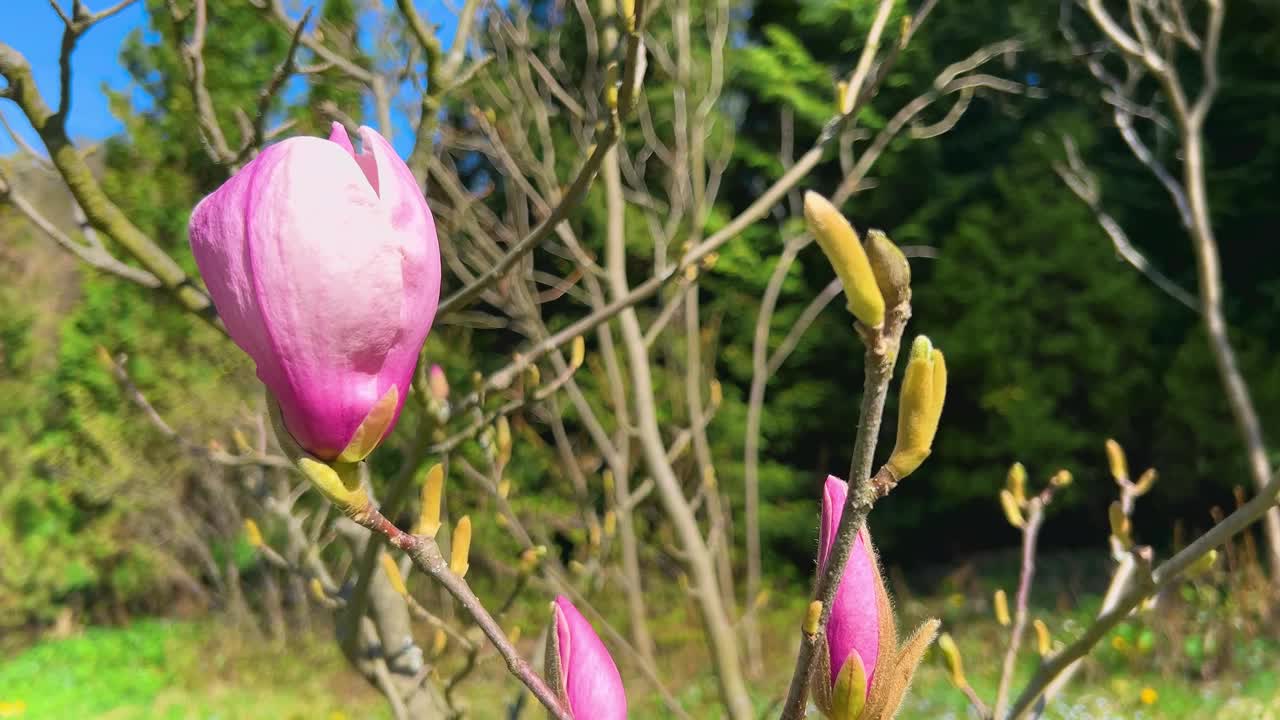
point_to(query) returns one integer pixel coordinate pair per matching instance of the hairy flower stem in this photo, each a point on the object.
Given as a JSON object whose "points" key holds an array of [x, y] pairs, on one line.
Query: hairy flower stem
{"points": [[881, 357], [427, 557]]}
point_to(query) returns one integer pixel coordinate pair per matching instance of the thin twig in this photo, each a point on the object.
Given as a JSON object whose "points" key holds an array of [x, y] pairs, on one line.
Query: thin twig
{"points": [[1146, 585], [427, 557]]}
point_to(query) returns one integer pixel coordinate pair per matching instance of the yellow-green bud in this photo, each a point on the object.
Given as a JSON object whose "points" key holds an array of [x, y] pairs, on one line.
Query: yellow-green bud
{"points": [[1145, 481], [839, 242], [1115, 458], [890, 267], [812, 616], [393, 574], [1002, 608], [340, 482], [1043, 642], [1203, 564], [1017, 482], [460, 552], [955, 666], [611, 86], [252, 534], [432, 496], [849, 695], [337, 481], [1012, 512], [503, 433], [924, 390]]}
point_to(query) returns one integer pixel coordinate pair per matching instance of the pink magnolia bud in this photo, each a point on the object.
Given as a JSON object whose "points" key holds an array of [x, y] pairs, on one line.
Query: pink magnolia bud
{"points": [[853, 632], [580, 668], [438, 383], [324, 265]]}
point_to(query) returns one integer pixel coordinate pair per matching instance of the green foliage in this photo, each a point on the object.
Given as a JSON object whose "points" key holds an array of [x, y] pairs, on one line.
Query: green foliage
{"points": [[159, 669], [1052, 342], [86, 514], [1042, 330]]}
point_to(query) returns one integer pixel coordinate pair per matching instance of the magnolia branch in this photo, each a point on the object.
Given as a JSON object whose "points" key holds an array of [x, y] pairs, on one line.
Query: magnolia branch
{"points": [[577, 189], [1081, 181], [1146, 585], [880, 358], [101, 212], [91, 252], [1030, 535], [1189, 112], [427, 557]]}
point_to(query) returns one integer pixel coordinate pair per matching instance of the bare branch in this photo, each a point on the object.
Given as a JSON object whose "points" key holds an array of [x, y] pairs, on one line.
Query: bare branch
{"points": [[213, 454], [258, 130], [1078, 178], [870, 47], [104, 215], [93, 255], [1030, 534], [40, 161], [192, 51], [427, 557], [1163, 577]]}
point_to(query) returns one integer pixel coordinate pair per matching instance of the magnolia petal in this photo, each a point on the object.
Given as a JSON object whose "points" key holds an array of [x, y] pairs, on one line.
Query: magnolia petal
{"points": [[588, 676], [324, 265], [854, 624]]}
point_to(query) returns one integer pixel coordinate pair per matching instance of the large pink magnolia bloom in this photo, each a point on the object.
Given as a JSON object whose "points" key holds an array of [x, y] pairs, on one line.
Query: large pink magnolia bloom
{"points": [[589, 679], [324, 265], [854, 626]]}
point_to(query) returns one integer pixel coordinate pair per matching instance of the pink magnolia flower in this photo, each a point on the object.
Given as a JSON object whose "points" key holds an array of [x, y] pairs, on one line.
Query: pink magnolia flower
{"points": [[324, 265], [853, 632], [581, 668]]}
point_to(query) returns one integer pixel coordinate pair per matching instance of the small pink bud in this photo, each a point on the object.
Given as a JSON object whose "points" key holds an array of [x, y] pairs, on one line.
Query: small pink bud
{"points": [[324, 265], [581, 669], [438, 383], [854, 627]]}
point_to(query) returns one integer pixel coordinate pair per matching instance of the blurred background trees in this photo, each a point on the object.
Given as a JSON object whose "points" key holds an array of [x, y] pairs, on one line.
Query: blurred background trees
{"points": [[1056, 344], [1053, 343]]}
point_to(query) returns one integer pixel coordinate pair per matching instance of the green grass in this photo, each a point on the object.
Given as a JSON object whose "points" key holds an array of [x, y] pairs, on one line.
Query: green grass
{"points": [[206, 670], [157, 669]]}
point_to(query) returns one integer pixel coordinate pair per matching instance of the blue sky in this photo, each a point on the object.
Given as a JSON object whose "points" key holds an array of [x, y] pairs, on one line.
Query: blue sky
{"points": [[34, 29]]}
